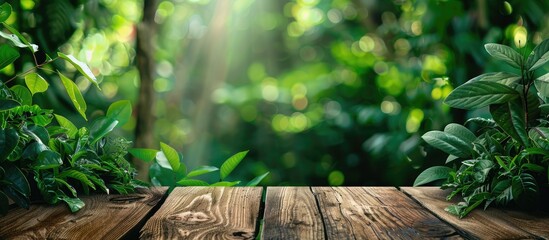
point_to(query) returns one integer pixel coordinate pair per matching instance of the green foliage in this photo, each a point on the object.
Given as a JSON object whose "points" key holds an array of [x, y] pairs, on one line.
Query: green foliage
{"points": [[506, 162]]}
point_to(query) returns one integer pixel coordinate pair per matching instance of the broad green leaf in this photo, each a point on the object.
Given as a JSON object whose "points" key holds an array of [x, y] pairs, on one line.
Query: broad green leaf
{"points": [[101, 127], [67, 185], [23, 93], [480, 94], [17, 179], [161, 176], [510, 117], [5, 12], [8, 141], [75, 204], [505, 78], [481, 122], [144, 154], [230, 164], [533, 167], [18, 197], [224, 184], [448, 143], [171, 155], [504, 53], [542, 85], [7, 104], [432, 174], [36, 83], [33, 150], [8, 55], [461, 132], [76, 175], [201, 171], [67, 124], [18, 39], [121, 111], [257, 180], [81, 67], [48, 159], [540, 136], [75, 95], [163, 161], [39, 132], [191, 182], [503, 192], [525, 183], [539, 56]]}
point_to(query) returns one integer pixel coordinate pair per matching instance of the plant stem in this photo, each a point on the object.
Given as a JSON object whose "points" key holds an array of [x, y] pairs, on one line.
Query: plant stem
{"points": [[31, 69]]}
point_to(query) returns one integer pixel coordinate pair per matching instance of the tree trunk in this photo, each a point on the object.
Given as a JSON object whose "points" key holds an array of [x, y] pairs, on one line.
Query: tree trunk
{"points": [[144, 137]]}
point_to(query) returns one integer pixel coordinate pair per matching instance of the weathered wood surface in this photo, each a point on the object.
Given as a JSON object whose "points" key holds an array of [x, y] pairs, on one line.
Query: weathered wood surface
{"points": [[291, 213], [490, 224], [104, 217], [206, 213]]}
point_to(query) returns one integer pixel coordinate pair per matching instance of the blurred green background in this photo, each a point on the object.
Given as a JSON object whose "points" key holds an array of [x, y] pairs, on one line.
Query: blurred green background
{"points": [[321, 92]]}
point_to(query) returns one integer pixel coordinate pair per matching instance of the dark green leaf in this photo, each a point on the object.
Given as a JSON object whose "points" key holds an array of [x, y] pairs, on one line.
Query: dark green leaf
{"points": [[505, 78], [257, 180], [144, 154], [23, 93], [480, 94], [224, 184], [121, 111], [40, 132], [67, 185], [75, 95], [36, 83], [18, 180], [171, 155], [77, 175], [191, 182], [4, 203], [101, 127], [67, 124], [230, 164], [525, 183], [5, 12], [542, 85], [33, 150], [8, 55], [533, 167], [539, 56], [481, 122], [448, 143], [432, 174], [504, 53], [540, 135], [510, 117], [74, 204], [8, 141], [19, 198], [48, 159], [461, 132], [7, 104], [81, 67], [201, 171]]}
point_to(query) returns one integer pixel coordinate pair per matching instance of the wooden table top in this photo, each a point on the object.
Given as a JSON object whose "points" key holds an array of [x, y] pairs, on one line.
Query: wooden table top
{"points": [[270, 213]]}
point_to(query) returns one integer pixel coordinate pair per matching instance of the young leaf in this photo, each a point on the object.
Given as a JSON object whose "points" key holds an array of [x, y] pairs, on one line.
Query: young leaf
{"points": [[5, 12], [67, 124], [171, 155], [224, 184], [18, 39], [432, 174], [75, 95], [121, 111], [448, 143], [539, 56], [81, 67], [542, 85], [480, 94], [8, 55], [144, 154], [230, 164], [257, 180], [36, 83], [461, 132], [191, 182], [101, 127], [504, 53], [201, 171], [510, 117]]}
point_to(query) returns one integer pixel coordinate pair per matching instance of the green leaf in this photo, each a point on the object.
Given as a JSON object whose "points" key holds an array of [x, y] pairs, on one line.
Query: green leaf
{"points": [[448, 143], [74, 204], [77, 175], [503, 192], [542, 85], [7, 104], [504, 53], [48, 159], [481, 122], [39, 132], [539, 56], [121, 111], [8, 141], [18, 40], [23, 93], [5, 12], [75, 95], [432, 174], [18, 180], [224, 184], [533, 167], [171, 155], [36, 83], [32, 150], [81, 67], [510, 117], [144, 154], [70, 187], [201, 171], [191, 182], [257, 180], [540, 135], [67, 124], [525, 183], [8, 55], [230, 164], [505, 78], [461, 132], [480, 94], [101, 127]]}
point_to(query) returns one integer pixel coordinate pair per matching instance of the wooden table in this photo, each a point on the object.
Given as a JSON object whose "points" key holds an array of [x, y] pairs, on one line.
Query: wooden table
{"points": [[270, 213]]}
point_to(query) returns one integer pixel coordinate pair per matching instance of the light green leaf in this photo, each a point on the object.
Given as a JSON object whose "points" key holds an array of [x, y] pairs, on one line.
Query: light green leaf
{"points": [[75, 95], [191, 182], [257, 180], [539, 56], [121, 111], [144, 154], [542, 85], [67, 124], [510, 117], [230, 164], [74, 204], [448, 143], [8, 55], [18, 39], [504, 53], [432, 174], [201, 171], [480, 94], [36, 83], [224, 184], [171, 155], [461, 132], [23, 93], [5, 12], [81, 67], [101, 127]]}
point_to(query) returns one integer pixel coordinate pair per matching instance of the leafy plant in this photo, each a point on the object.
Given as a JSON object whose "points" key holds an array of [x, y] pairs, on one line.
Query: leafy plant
{"points": [[169, 169], [506, 160]]}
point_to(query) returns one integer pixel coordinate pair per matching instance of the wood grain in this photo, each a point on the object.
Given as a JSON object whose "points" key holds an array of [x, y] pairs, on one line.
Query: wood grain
{"points": [[206, 213], [291, 213], [376, 213], [103, 217], [489, 224]]}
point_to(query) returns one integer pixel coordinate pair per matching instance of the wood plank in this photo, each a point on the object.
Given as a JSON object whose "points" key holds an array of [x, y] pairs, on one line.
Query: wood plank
{"points": [[291, 213], [376, 213], [104, 217], [206, 213], [489, 224]]}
